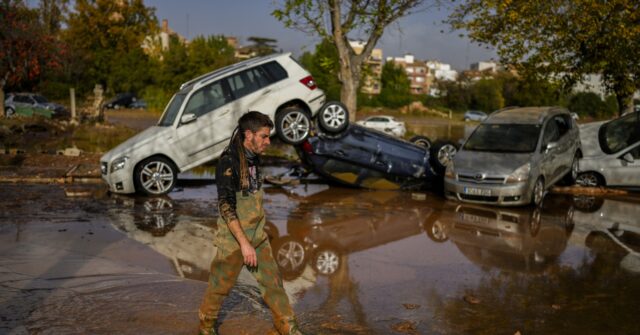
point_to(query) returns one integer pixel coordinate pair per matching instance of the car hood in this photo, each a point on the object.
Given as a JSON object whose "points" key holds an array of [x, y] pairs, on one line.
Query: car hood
{"points": [[139, 140], [491, 163], [589, 139]]}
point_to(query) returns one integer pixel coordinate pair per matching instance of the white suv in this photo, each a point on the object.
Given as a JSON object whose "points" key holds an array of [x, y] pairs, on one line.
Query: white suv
{"points": [[198, 121]]}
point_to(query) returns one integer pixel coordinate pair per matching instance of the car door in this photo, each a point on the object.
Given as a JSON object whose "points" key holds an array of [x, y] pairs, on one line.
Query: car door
{"points": [[625, 173], [549, 156], [205, 137], [250, 92], [566, 145]]}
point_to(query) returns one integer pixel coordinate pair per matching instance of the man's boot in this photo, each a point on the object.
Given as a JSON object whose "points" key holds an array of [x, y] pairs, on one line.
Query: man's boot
{"points": [[288, 327], [207, 325]]}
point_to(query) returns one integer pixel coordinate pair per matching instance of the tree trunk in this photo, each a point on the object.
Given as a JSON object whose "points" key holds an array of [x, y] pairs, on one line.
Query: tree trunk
{"points": [[349, 93], [625, 103]]}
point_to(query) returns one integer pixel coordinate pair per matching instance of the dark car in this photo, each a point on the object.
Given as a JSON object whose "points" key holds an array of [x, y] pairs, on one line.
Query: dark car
{"points": [[368, 158], [122, 100]]}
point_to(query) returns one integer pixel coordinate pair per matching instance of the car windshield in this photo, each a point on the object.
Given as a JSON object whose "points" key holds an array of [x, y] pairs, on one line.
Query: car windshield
{"points": [[171, 112], [620, 133], [504, 138], [40, 99]]}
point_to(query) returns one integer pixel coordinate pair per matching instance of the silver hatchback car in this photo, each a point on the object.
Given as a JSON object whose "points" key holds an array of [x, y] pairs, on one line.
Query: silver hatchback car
{"points": [[514, 156]]}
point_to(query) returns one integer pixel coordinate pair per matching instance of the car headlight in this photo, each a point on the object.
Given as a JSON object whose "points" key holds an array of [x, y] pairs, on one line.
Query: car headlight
{"points": [[119, 163], [520, 174], [448, 172]]}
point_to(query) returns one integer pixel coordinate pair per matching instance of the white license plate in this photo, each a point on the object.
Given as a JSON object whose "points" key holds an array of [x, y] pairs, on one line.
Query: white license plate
{"points": [[477, 191], [473, 218]]}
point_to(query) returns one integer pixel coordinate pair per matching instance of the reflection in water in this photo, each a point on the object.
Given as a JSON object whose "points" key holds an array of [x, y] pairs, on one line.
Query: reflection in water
{"points": [[597, 296]]}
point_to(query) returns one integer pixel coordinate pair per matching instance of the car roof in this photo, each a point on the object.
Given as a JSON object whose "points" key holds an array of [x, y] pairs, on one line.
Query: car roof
{"points": [[524, 115], [231, 68]]}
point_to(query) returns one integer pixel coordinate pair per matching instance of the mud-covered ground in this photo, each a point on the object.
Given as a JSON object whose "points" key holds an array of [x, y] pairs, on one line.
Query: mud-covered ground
{"points": [[354, 262]]}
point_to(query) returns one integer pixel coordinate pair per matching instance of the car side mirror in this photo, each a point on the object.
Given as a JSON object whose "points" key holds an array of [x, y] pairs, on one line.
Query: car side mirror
{"points": [[188, 118], [628, 157]]}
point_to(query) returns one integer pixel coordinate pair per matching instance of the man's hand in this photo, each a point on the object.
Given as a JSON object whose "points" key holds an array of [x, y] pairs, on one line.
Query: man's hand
{"points": [[249, 254]]}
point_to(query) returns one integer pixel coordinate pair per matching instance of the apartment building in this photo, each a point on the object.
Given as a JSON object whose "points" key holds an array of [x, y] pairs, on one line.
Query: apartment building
{"points": [[373, 75]]}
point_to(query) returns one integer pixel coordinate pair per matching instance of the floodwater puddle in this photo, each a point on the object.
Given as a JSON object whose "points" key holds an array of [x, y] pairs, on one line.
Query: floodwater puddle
{"points": [[354, 261]]}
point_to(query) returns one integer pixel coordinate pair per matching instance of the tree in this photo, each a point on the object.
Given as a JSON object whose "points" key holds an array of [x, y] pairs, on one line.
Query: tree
{"points": [[106, 37], [396, 88], [566, 38], [346, 20], [262, 46], [25, 48], [486, 95]]}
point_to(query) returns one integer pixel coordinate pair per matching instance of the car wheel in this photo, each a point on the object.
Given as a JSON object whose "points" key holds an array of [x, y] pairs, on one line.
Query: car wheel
{"points": [[289, 254], [155, 176], [437, 232], [293, 125], [333, 117], [572, 175], [326, 261], [422, 141], [441, 154], [466, 119], [589, 179], [9, 112], [538, 192], [534, 224], [587, 204]]}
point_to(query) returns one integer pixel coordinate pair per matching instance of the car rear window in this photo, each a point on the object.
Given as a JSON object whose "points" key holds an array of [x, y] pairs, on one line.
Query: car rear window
{"points": [[275, 71], [516, 138]]}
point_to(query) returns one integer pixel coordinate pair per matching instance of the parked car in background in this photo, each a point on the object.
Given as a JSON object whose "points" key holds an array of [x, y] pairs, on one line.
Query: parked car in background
{"points": [[514, 156], [200, 118], [138, 104], [611, 152], [121, 100], [363, 157], [384, 123], [33, 104], [473, 115]]}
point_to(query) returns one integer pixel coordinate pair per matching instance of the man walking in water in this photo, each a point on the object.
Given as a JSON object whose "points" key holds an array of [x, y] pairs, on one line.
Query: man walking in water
{"points": [[241, 239]]}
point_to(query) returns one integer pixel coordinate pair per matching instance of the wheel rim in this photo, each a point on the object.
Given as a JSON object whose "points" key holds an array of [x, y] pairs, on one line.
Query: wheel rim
{"points": [[587, 179], [538, 192], [334, 116], [290, 255], [158, 212], [446, 153], [156, 177], [295, 126], [327, 262], [534, 226], [438, 232]]}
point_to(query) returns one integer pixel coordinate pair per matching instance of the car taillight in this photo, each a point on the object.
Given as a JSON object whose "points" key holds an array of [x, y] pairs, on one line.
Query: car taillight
{"points": [[306, 147], [309, 82]]}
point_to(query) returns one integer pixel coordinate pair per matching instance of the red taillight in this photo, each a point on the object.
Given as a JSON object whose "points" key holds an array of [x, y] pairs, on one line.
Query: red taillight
{"points": [[306, 146], [309, 82]]}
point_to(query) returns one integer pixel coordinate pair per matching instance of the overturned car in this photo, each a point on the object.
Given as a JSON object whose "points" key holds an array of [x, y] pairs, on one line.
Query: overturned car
{"points": [[367, 158]]}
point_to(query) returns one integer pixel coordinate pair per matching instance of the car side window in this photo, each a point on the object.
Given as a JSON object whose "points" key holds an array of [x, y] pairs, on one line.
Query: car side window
{"points": [[241, 84], [620, 133], [551, 133], [207, 99], [563, 125], [275, 71], [635, 152], [258, 76]]}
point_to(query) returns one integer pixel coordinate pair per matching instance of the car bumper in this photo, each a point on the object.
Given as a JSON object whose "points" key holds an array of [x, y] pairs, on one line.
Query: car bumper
{"points": [[120, 181], [494, 194]]}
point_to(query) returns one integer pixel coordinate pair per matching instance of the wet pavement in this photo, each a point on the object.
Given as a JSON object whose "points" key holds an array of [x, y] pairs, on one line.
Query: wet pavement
{"points": [[354, 262]]}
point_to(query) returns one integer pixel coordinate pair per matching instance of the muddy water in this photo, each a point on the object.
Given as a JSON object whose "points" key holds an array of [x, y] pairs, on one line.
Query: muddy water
{"points": [[354, 262]]}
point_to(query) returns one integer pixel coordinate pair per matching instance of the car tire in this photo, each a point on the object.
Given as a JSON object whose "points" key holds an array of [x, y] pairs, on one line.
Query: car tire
{"points": [[422, 141], [333, 117], [589, 179], [290, 256], [538, 193], [571, 176], [326, 261], [155, 176], [535, 221], [9, 112], [293, 125], [441, 154], [587, 204]]}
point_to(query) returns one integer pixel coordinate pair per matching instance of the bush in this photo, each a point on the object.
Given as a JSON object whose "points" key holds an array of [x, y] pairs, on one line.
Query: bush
{"points": [[587, 104]]}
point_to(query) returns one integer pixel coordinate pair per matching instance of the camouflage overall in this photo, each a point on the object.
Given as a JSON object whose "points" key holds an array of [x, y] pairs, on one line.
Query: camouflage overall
{"points": [[228, 262]]}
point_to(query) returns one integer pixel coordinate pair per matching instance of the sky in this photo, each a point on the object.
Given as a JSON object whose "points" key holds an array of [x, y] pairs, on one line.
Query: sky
{"points": [[419, 34]]}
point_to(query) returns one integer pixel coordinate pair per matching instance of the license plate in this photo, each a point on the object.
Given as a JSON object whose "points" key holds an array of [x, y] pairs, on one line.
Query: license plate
{"points": [[473, 218], [477, 191]]}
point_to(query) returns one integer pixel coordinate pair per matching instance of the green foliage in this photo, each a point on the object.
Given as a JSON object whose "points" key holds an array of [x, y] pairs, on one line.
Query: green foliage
{"points": [[567, 38], [324, 67], [587, 104], [486, 95], [396, 88], [262, 46]]}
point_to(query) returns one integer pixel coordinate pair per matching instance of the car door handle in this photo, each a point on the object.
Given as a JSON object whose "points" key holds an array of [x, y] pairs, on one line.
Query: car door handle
{"points": [[267, 91], [225, 112], [339, 153]]}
